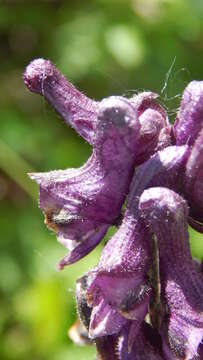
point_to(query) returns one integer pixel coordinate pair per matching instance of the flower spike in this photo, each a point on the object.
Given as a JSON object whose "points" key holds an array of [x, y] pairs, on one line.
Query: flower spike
{"points": [[155, 129]]}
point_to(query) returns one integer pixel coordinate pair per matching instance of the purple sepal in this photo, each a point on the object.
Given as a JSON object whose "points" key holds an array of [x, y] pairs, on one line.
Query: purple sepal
{"points": [[121, 276], [165, 168], [189, 120], [80, 204], [42, 77], [155, 131], [193, 182], [165, 212], [99, 321]]}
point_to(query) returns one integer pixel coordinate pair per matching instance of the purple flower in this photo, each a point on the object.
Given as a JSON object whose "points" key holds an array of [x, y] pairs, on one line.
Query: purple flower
{"points": [[106, 345], [80, 204], [146, 268], [181, 282], [120, 288], [132, 341], [179, 168], [155, 130], [120, 283]]}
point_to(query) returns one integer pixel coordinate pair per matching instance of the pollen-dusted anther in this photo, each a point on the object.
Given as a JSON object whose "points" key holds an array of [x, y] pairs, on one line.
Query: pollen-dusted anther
{"points": [[84, 310], [189, 119], [165, 212], [81, 204]]}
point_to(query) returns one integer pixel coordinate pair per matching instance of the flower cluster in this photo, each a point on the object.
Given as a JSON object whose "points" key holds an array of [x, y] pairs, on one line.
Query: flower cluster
{"points": [[144, 299]]}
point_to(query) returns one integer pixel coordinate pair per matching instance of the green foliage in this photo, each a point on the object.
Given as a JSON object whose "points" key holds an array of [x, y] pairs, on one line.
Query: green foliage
{"points": [[105, 47]]}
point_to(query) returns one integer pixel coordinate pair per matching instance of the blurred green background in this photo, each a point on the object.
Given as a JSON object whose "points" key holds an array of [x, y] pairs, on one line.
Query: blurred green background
{"points": [[104, 47]]}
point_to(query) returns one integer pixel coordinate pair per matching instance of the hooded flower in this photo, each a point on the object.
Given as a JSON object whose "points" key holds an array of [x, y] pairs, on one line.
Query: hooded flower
{"points": [[106, 345], [181, 281], [193, 181], [147, 110], [42, 77], [179, 168], [131, 342], [120, 288], [80, 204], [189, 119], [188, 129]]}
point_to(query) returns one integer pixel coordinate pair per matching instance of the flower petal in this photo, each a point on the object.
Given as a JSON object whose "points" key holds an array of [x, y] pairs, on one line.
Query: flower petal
{"points": [[80, 205], [165, 168], [155, 127]]}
